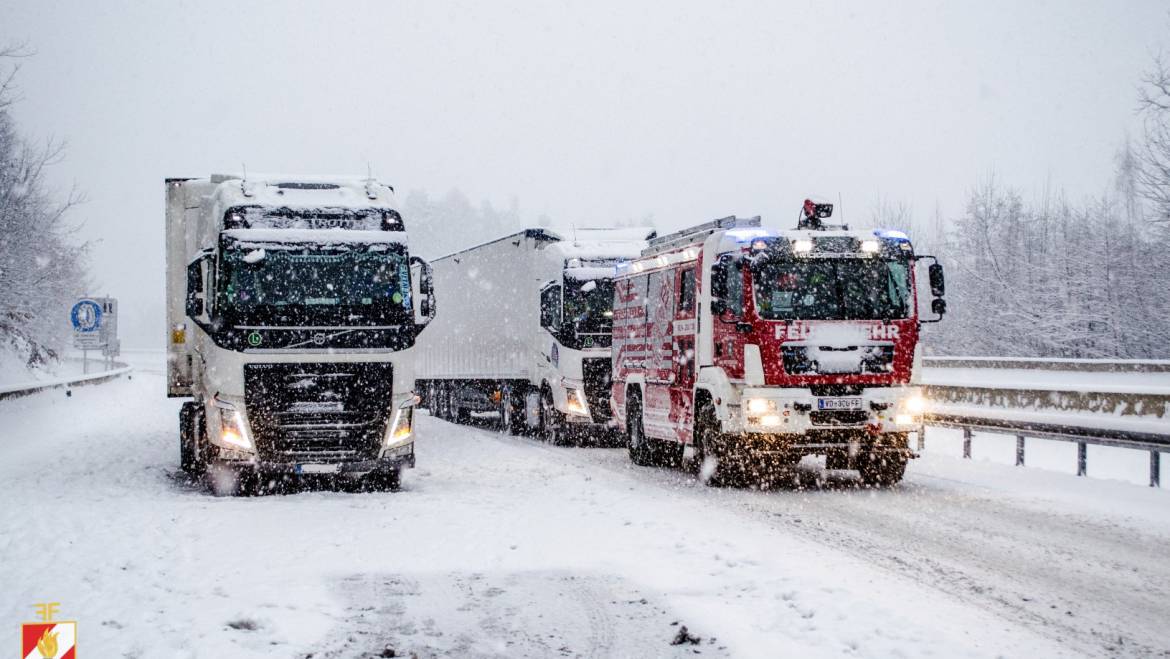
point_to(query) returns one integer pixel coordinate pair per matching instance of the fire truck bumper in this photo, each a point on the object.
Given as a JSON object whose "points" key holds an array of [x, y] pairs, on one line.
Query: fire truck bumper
{"points": [[791, 412], [838, 442]]}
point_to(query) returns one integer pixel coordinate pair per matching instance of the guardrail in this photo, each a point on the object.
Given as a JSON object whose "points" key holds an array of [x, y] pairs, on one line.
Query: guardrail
{"points": [[26, 389], [1155, 443], [1077, 365], [1127, 412]]}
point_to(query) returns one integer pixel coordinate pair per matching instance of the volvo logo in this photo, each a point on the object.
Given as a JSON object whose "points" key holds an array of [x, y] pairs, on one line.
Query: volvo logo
{"points": [[319, 338]]}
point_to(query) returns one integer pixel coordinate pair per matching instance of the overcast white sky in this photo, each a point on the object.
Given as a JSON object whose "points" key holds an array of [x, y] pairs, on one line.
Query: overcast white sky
{"points": [[590, 112]]}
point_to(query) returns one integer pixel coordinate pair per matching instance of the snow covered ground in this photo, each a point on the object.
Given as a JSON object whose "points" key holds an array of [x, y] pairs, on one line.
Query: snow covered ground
{"points": [[499, 546], [16, 376]]}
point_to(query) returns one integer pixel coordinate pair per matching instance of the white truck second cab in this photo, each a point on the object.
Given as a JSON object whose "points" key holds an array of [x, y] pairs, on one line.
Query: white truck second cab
{"points": [[292, 305], [524, 331]]}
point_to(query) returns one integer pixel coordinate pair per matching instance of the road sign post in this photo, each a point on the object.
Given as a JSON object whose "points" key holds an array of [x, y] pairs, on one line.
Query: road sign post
{"points": [[95, 327]]}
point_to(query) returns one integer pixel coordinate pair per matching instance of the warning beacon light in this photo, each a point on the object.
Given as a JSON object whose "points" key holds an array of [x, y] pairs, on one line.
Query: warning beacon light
{"points": [[812, 214]]}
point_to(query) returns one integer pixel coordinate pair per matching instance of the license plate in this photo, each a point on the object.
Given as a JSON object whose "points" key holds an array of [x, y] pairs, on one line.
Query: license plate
{"points": [[838, 403], [318, 469]]}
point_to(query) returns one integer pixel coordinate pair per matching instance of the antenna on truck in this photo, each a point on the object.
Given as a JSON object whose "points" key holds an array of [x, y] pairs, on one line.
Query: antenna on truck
{"points": [[371, 190], [244, 181]]}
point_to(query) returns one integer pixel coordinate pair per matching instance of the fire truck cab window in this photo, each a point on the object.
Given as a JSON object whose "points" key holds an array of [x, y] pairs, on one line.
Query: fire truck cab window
{"points": [[845, 289], [734, 299], [686, 290]]}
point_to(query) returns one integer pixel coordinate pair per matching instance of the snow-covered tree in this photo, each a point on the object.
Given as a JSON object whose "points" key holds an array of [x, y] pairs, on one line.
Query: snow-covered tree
{"points": [[1153, 160], [42, 269]]}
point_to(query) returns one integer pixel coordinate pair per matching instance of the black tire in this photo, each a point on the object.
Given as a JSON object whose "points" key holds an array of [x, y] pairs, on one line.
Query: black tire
{"points": [[881, 469], [462, 415], [512, 412], [444, 401], [192, 434], [639, 447], [711, 465], [552, 422], [225, 481], [384, 481], [187, 454]]}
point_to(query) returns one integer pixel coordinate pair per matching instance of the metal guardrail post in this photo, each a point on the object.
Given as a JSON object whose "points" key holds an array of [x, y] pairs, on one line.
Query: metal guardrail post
{"points": [[1155, 469], [966, 442], [1019, 450], [1082, 459]]}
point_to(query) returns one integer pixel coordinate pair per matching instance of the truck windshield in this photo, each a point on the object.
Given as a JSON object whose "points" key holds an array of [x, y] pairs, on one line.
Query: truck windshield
{"points": [[823, 289], [589, 305], [337, 285]]}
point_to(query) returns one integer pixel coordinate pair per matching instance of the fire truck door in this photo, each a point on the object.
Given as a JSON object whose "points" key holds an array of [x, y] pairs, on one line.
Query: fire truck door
{"points": [[683, 353], [728, 341]]}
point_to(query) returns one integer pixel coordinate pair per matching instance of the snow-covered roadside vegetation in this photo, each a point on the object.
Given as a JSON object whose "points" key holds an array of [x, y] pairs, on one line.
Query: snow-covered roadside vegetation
{"points": [[42, 267], [1059, 273]]}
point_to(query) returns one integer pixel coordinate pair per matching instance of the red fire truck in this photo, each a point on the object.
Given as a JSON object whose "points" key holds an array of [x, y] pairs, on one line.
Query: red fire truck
{"points": [[751, 348]]}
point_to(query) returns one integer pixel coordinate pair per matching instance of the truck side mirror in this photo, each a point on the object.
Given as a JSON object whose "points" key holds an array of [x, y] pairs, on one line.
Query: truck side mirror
{"points": [[196, 294], [938, 306], [718, 288], [938, 284], [550, 307], [424, 278]]}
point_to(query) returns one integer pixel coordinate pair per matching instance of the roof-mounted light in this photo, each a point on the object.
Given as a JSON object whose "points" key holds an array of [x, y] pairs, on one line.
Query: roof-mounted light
{"points": [[802, 246], [745, 234], [870, 246], [891, 234]]}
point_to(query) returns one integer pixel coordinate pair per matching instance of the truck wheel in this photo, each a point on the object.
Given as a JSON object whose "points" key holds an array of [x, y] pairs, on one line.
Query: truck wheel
{"points": [[445, 402], [881, 470], [224, 481], [462, 415], [384, 481], [639, 446], [711, 465], [552, 423], [190, 436], [512, 415], [187, 438]]}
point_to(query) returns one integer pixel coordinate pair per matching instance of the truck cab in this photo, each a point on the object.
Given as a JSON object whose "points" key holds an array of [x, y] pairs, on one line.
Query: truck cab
{"points": [[754, 347], [292, 305], [525, 331]]}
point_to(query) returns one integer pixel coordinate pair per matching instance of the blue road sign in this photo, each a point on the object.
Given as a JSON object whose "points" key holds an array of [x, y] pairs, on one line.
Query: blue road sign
{"points": [[86, 316]]}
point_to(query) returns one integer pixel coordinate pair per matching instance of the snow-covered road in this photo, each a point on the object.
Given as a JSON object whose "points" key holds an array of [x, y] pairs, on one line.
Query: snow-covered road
{"points": [[499, 546]]}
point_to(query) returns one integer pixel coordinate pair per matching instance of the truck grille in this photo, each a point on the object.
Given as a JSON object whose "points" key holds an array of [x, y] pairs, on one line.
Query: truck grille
{"points": [[838, 417], [597, 373], [869, 359], [318, 412]]}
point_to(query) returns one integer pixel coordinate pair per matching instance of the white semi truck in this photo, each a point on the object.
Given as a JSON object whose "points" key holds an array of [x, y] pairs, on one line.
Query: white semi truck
{"points": [[524, 331], [292, 306]]}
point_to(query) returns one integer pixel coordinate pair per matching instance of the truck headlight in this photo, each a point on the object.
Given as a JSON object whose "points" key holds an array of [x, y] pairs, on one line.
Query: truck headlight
{"points": [[758, 406], [910, 411], [401, 429], [233, 429], [575, 401]]}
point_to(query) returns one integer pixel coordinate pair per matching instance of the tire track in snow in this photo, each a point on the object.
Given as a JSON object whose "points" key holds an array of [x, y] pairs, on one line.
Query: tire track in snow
{"points": [[1093, 585]]}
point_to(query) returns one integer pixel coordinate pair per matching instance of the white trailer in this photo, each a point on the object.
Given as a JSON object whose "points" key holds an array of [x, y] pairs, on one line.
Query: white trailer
{"points": [[291, 309], [524, 330]]}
